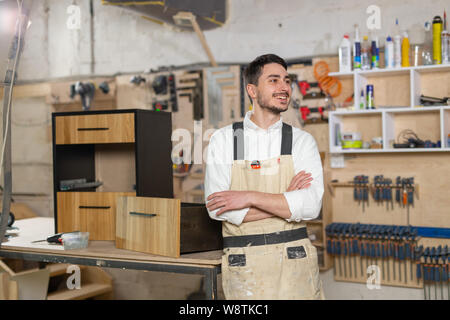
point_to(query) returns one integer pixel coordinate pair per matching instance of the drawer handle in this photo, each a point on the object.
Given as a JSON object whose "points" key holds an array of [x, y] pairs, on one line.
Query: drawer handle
{"points": [[92, 129], [94, 207], [150, 215]]}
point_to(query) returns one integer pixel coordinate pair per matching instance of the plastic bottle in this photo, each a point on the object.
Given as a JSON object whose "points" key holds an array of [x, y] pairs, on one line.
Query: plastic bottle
{"points": [[357, 50], [405, 50], [375, 53], [362, 104], [437, 30], [345, 53], [365, 54], [445, 42], [389, 53], [397, 46], [427, 53]]}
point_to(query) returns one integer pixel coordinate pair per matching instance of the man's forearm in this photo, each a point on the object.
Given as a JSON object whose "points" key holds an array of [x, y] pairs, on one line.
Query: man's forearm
{"points": [[254, 214], [272, 203]]}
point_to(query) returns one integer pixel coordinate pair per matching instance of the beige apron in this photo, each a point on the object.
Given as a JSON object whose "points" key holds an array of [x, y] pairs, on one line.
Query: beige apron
{"points": [[276, 271]]}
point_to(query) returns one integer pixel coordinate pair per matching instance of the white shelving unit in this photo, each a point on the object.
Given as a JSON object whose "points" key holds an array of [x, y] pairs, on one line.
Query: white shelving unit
{"points": [[397, 97]]}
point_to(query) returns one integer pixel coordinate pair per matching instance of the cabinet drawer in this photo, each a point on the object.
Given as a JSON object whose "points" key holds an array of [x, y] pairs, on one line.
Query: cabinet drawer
{"points": [[165, 226], [149, 225], [95, 128], [93, 212]]}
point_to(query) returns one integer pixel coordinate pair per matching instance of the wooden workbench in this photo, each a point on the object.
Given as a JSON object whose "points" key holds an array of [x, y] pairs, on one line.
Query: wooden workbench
{"points": [[105, 254]]}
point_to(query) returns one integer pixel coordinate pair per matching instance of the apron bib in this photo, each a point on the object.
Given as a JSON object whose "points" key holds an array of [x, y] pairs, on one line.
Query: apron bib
{"points": [[287, 270]]}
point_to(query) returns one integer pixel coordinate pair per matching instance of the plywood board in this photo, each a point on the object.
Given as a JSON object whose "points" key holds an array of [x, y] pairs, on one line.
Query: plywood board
{"points": [[115, 166], [425, 124], [392, 90], [430, 171]]}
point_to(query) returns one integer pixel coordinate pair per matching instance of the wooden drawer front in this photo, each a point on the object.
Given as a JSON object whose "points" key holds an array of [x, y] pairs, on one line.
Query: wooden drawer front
{"points": [[93, 212], [95, 128], [150, 225]]}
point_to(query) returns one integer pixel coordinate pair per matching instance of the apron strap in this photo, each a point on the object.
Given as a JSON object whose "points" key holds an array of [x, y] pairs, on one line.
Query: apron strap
{"points": [[238, 140], [286, 139]]}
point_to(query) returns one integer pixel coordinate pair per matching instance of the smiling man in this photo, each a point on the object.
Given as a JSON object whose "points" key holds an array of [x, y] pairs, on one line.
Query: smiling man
{"points": [[263, 178]]}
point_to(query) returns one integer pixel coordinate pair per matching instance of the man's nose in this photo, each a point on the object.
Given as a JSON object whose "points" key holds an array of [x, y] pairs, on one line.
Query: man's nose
{"points": [[285, 87]]}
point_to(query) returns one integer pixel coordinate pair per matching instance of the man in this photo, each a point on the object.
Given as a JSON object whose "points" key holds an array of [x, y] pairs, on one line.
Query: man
{"points": [[263, 178]]}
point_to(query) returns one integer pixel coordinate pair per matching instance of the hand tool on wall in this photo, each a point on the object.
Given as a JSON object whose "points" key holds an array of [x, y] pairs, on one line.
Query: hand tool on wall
{"points": [[445, 274], [434, 276], [361, 247], [86, 91], [398, 182], [173, 92], [389, 193], [386, 250], [377, 191], [366, 191], [439, 270], [427, 271], [355, 247], [410, 192], [137, 80], [418, 253], [347, 250]]}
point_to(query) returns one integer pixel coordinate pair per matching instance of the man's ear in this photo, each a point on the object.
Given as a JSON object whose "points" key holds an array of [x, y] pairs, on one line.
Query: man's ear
{"points": [[251, 91]]}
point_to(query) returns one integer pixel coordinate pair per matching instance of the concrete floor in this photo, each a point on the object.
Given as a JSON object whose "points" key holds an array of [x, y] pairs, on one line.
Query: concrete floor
{"points": [[141, 285]]}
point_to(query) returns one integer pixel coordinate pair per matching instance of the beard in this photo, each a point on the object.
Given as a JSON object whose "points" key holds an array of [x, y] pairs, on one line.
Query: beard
{"points": [[264, 104]]}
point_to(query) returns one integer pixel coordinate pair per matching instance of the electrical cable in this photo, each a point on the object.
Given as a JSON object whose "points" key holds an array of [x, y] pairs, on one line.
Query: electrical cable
{"points": [[6, 129]]}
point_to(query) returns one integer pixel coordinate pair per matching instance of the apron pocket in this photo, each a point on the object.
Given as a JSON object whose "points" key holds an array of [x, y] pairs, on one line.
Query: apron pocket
{"points": [[236, 260], [296, 252]]}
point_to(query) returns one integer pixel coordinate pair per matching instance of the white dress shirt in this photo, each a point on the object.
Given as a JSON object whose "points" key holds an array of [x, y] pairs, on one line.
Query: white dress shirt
{"points": [[260, 144]]}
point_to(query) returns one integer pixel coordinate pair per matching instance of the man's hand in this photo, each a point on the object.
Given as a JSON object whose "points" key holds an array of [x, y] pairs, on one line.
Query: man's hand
{"points": [[228, 200], [301, 181]]}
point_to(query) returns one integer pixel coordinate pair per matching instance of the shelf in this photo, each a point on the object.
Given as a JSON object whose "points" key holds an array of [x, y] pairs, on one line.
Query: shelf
{"points": [[429, 123], [394, 71]]}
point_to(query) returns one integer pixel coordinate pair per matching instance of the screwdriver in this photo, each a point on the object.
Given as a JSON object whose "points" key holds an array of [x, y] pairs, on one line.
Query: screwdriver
{"points": [[57, 238]]}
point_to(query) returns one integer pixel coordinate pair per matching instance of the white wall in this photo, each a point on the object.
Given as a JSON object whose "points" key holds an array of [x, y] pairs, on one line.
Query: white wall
{"points": [[124, 42]]}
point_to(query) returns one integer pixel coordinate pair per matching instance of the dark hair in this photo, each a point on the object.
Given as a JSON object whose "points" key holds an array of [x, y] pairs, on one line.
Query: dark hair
{"points": [[254, 68]]}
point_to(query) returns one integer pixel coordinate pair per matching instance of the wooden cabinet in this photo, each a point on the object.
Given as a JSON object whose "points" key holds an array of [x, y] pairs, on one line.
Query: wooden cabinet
{"points": [[165, 226], [128, 151]]}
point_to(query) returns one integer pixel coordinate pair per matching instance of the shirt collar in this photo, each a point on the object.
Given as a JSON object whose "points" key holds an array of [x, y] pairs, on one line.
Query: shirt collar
{"points": [[249, 124]]}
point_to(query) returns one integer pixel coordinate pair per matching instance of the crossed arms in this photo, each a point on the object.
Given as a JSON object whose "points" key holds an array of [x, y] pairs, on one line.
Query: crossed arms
{"points": [[261, 205]]}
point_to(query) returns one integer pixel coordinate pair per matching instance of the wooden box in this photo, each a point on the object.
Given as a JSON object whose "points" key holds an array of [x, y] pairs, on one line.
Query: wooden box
{"points": [[165, 226]]}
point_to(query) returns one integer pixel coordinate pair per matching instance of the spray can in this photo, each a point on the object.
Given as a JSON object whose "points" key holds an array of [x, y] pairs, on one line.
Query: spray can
{"points": [[369, 97], [397, 46], [437, 30], [389, 53], [405, 50], [357, 50]]}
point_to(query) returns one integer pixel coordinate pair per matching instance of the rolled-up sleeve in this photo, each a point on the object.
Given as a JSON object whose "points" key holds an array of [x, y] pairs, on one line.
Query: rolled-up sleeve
{"points": [[305, 204], [218, 174]]}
